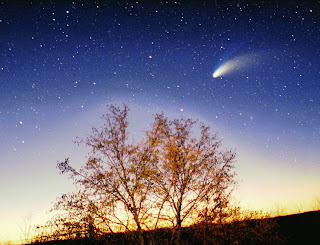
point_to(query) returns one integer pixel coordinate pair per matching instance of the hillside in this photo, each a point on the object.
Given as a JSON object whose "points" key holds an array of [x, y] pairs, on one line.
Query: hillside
{"points": [[290, 229], [300, 228]]}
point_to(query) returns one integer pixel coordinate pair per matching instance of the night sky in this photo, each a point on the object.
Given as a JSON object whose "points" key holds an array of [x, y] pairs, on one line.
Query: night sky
{"points": [[63, 62]]}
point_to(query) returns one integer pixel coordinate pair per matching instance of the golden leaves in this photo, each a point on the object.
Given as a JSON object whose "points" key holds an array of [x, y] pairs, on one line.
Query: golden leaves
{"points": [[168, 176]]}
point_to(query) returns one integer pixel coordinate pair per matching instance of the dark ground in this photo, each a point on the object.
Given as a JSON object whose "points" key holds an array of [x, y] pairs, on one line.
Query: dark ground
{"points": [[301, 228]]}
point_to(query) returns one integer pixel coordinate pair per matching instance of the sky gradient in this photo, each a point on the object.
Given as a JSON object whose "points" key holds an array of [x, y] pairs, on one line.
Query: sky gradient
{"points": [[63, 62]]}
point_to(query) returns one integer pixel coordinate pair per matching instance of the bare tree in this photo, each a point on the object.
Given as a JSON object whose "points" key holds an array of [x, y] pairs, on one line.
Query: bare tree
{"points": [[86, 216], [316, 203], [115, 181], [175, 175], [26, 228], [193, 174]]}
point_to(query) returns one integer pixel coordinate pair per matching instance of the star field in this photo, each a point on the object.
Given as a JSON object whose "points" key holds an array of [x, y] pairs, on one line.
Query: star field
{"points": [[62, 62]]}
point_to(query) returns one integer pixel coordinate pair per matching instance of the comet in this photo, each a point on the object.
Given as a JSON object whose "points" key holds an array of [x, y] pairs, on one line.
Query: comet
{"points": [[235, 64]]}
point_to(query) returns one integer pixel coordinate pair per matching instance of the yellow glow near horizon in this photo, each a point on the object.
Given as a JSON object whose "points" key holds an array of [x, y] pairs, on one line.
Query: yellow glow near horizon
{"points": [[276, 201]]}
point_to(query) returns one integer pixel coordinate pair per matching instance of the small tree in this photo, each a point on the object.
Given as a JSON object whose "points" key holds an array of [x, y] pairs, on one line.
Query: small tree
{"points": [[26, 228], [316, 203], [194, 176], [84, 216], [115, 180]]}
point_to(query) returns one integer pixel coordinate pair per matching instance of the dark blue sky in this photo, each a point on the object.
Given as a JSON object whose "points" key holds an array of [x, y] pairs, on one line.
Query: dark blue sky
{"points": [[61, 62]]}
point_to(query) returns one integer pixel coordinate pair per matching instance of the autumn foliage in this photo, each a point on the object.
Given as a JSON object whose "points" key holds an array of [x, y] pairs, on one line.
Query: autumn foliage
{"points": [[177, 176]]}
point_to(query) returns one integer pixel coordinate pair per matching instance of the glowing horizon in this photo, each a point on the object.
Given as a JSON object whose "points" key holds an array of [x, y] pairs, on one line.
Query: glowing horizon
{"points": [[253, 79]]}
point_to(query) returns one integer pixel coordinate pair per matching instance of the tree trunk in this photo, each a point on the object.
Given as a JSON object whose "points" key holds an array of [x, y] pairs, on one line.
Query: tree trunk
{"points": [[178, 237], [179, 223], [141, 238]]}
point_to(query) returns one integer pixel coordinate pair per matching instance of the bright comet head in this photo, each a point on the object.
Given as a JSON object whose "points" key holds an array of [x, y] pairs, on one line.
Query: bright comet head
{"points": [[224, 68]]}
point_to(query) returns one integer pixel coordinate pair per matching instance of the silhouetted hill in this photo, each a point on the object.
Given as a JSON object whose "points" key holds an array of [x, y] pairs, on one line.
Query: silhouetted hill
{"points": [[301, 228], [295, 229]]}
